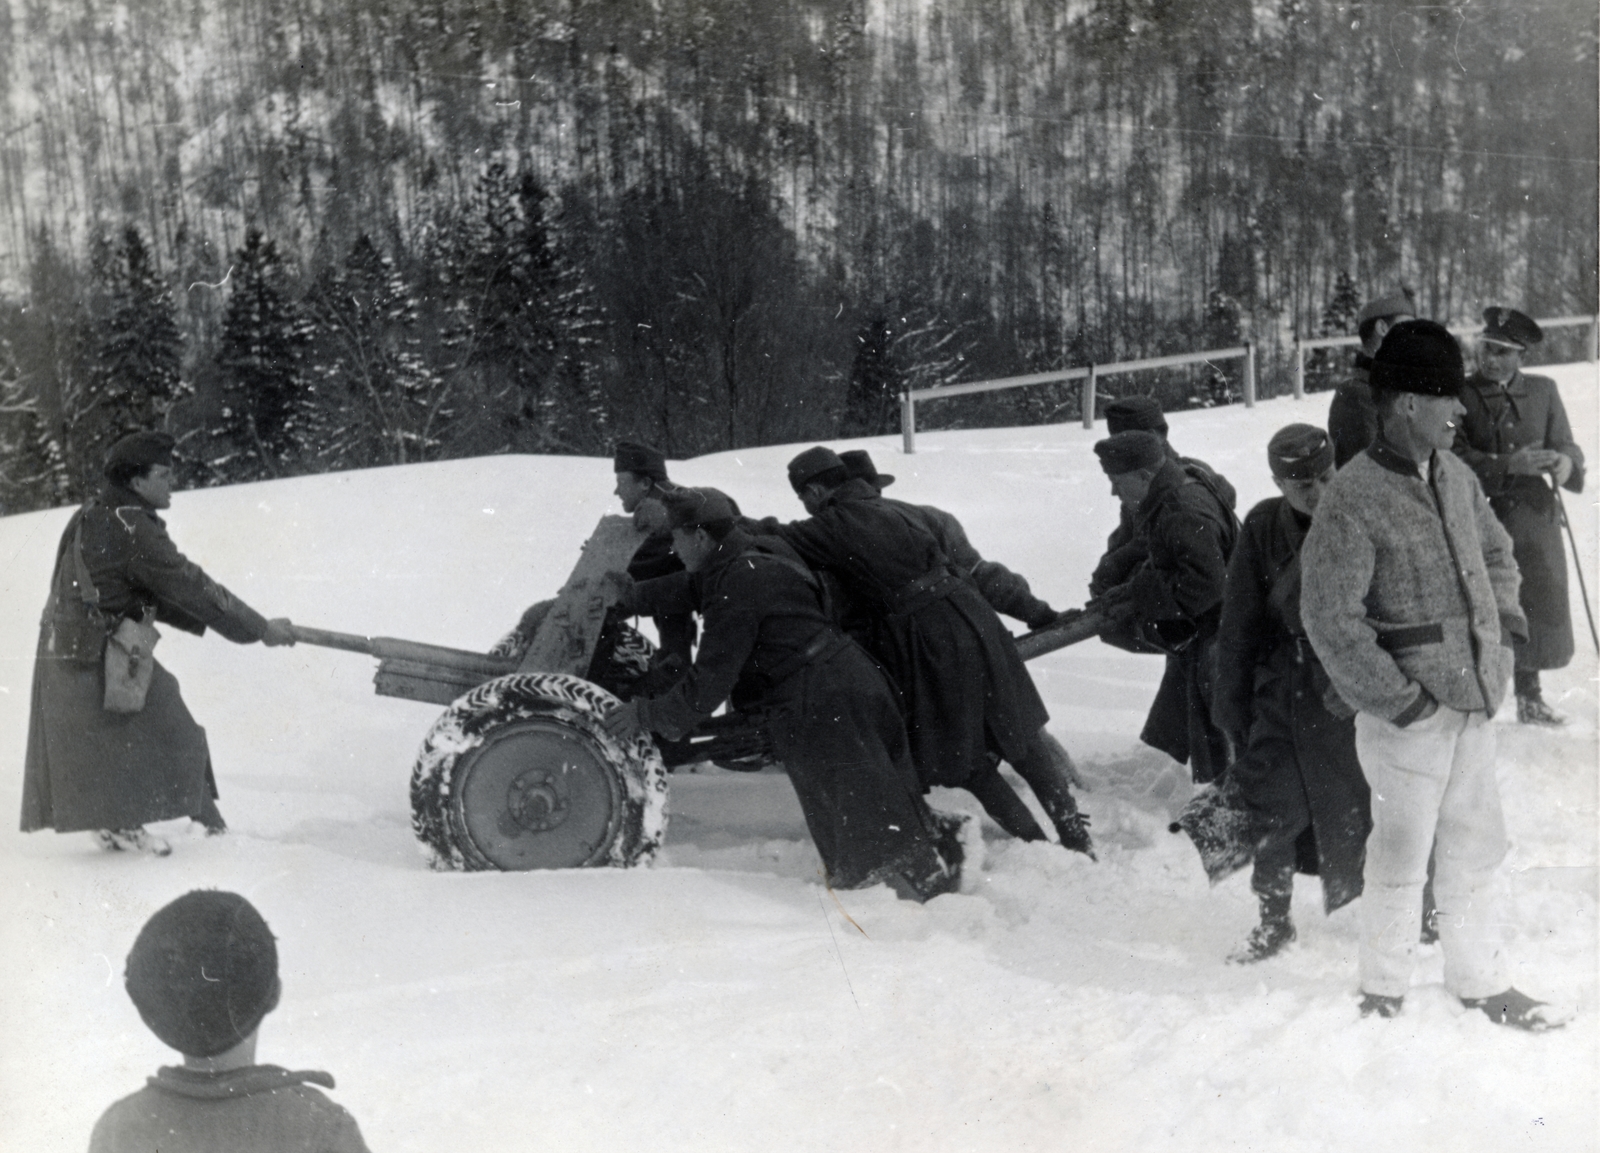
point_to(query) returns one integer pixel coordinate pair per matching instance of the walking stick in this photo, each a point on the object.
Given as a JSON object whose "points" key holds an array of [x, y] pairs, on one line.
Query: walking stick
{"points": [[1577, 563]]}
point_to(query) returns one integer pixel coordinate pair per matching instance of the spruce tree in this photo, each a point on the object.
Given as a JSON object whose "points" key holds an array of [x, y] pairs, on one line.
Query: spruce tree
{"points": [[373, 398], [264, 339], [135, 377]]}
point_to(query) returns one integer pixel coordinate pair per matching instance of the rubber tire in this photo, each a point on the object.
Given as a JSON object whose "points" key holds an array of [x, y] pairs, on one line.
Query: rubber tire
{"points": [[519, 774]]}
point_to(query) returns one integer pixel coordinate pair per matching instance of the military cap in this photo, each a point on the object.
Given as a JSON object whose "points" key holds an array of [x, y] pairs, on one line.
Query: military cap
{"points": [[631, 456], [1299, 452], [1126, 451], [858, 463], [1418, 356], [140, 450], [203, 972], [1135, 412], [1509, 327], [692, 507], [1400, 304], [810, 464]]}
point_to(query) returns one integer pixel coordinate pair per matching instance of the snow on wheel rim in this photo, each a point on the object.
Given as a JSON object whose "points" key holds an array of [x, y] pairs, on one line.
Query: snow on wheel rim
{"points": [[520, 774]]}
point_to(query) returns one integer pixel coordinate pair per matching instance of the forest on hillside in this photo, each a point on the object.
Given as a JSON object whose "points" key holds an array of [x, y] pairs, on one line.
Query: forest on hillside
{"points": [[308, 234]]}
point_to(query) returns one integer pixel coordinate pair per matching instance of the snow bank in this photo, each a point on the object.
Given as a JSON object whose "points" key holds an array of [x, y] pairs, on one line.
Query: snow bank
{"points": [[724, 999]]}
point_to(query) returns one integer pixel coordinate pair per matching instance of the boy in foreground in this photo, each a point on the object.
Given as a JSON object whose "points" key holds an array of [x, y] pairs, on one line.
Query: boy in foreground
{"points": [[203, 972]]}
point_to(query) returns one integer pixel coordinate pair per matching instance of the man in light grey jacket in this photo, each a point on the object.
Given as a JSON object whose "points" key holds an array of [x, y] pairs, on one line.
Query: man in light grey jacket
{"points": [[1409, 598]]}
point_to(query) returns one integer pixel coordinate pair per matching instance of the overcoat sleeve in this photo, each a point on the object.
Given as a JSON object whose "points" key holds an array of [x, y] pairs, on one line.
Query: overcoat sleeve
{"points": [[732, 616], [186, 597], [1504, 577], [1558, 435], [1184, 577]]}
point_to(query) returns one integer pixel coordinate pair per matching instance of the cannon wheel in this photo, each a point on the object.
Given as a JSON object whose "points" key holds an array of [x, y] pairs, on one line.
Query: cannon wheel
{"points": [[518, 774]]}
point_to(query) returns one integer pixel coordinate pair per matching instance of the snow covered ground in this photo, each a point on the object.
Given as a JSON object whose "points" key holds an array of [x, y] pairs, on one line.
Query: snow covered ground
{"points": [[722, 1000]]}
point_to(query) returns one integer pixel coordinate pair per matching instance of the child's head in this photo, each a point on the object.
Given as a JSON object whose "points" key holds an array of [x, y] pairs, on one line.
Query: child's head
{"points": [[203, 972]]}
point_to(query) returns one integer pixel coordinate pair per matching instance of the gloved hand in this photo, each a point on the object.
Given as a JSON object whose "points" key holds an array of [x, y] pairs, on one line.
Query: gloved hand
{"points": [[280, 631], [617, 587], [1561, 469], [1041, 617], [622, 722]]}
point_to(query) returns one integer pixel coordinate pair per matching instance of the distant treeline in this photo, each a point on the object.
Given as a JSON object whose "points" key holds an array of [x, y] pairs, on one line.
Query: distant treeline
{"points": [[306, 235]]}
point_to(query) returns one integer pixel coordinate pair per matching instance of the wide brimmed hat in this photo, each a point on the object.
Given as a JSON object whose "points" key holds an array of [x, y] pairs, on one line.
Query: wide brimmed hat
{"points": [[858, 463]]}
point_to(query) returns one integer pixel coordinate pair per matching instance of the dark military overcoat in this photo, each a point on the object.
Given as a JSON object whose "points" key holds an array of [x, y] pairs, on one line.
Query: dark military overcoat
{"points": [[1352, 415], [1186, 534], [1298, 758], [965, 688], [90, 769], [1528, 411], [769, 647]]}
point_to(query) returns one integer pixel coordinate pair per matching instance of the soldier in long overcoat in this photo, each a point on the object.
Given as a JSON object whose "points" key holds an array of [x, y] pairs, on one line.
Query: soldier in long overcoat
{"points": [[770, 648], [1296, 767], [1516, 437], [88, 768], [1172, 600], [968, 696], [1352, 417], [1046, 767]]}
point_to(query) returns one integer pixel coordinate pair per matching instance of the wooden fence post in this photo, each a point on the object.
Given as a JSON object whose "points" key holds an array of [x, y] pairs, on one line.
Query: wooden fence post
{"points": [[1594, 340], [1249, 374], [908, 423], [1088, 399], [1299, 370]]}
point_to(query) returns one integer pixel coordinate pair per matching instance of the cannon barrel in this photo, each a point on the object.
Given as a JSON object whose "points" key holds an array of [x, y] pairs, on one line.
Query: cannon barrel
{"points": [[413, 670], [1069, 630]]}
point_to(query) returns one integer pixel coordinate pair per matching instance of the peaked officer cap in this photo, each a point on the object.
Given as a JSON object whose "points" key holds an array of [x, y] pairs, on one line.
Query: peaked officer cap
{"points": [[1400, 304], [1510, 327]]}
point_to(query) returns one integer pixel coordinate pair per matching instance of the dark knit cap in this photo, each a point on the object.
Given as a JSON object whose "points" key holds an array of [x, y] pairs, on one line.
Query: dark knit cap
{"points": [[631, 456], [1386, 306], [1126, 451], [858, 463], [1135, 412], [810, 464], [203, 972], [691, 507], [1508, 326], [1299, 452], [1418, 356], [138, 451]]}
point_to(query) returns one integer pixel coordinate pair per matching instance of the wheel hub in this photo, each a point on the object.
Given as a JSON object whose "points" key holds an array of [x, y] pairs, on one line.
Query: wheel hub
{"points": [[534, 802]]}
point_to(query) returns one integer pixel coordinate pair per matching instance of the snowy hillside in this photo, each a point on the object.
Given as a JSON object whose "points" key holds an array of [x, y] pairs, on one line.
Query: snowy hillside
{"points": [[722, 1000]]}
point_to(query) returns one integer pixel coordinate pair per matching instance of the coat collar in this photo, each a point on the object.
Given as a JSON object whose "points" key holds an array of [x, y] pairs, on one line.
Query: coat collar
{"points": [[853, 489], [1516, 386], [1391, 458], [1167, 478]]}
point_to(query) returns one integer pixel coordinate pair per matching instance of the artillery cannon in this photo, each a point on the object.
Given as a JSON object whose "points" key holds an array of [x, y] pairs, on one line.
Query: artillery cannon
{"points": [[519, 773]]}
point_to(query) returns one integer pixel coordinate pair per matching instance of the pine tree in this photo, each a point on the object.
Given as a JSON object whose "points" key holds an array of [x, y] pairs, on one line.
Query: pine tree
{"points": [[372, 399], [264, 339], [874, 390], [1339, 317], [33, 473], [135, 377]]}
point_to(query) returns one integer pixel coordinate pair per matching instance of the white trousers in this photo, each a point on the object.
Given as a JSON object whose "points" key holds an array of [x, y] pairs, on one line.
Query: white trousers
{"points": [[1433, 784]]}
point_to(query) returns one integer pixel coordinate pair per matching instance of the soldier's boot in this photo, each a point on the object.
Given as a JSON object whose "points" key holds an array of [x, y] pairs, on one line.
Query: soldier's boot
{"points": [[1003, 805], [927, 874], [138, 840], [1274, 890], [1531, 709], [1378, 1005], [1048, 770]]}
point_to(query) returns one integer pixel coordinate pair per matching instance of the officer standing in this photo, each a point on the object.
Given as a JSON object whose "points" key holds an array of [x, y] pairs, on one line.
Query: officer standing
{"points": [[1516, 437], [1352, 419]]}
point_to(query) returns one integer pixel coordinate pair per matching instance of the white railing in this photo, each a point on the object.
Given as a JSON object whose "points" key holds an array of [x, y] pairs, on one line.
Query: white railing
{"points": [[1088, 373], [1301, 347]]}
